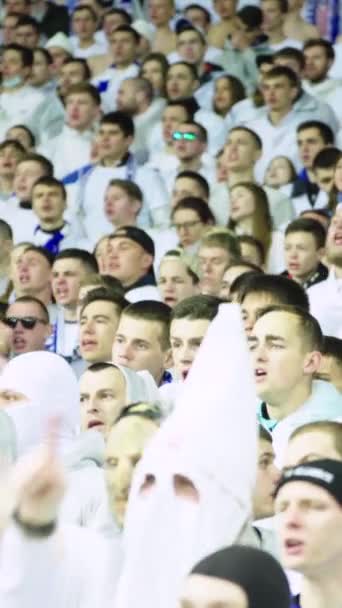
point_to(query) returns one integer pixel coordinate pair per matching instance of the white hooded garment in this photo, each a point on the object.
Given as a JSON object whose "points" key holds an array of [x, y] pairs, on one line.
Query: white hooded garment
{"points": [[50, 388], [209, 439], [140, 386]]}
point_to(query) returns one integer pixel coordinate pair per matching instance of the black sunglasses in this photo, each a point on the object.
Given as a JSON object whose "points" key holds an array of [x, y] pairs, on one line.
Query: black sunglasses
{"points": [[27, 322]]}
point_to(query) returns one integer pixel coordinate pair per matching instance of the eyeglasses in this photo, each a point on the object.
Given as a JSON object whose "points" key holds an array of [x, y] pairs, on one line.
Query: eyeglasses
{"points": [[27, 322], [186, 225], [177, 136]]}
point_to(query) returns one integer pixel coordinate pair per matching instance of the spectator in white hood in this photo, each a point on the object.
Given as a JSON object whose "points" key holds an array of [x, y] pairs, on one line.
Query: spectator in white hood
{"points": [[34, 388]]}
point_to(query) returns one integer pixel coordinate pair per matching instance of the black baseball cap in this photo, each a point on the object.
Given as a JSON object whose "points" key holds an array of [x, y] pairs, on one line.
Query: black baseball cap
{"points": [[137, 235]]}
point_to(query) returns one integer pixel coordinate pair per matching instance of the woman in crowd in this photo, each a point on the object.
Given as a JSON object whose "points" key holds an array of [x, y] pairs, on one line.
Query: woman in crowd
{"points": [[250, 214], [154, 68], [280, 174], [191, 218], [228, 91]]}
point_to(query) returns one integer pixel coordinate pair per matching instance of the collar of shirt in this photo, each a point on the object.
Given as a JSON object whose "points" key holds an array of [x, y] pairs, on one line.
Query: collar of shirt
{"points": [[166, 378], [264, 420], [147, 279]]}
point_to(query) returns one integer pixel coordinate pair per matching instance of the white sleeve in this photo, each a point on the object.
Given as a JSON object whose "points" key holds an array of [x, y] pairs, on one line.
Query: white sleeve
{"points": [[29, 571]]}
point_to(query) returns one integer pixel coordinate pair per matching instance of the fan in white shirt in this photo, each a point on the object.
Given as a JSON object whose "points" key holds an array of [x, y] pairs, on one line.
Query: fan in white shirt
{"points": [[274, 16], [182, 81], [124, 42], [319, 56], [241, 153], [114, 138], [326, 297], [84, 24], [277, 128], [72, 148], [190, 142], [135, 96], [22, 104], [18, 212]]}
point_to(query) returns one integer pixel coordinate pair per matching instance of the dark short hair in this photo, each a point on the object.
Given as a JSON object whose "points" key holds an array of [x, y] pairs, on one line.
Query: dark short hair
{"points": [[119, 11], [87, 259], [101, 294], [123, 120], [309, 325], [32, 300], [6, 231], [251, 16], [190, 28], [332, 347], [280, 71], [238, 285], [325, 131], [85, 88], [13, 143], [197, 308], [257, 140], [129, 30], [198, 205], [85, 7], [25, 20], [190, 67], [324, 44], [131, 188], [47, 255], [326, 158], [52, 182], [44, 162], [198, 178], [285, 291], [289, 52], [199, 7], [25, 53], [309, 226], [153, 311], [26, 129], [83, 63], [188, 103]]}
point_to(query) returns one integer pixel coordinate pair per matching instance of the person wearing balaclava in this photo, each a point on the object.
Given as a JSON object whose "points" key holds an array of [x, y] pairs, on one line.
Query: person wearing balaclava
{"points": [[80, 567], [243, 577], [34, 387], [192, 489]]}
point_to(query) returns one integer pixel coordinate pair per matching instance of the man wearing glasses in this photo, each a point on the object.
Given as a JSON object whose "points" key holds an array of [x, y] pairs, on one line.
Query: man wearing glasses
{"points": [[28, 320], [190, 144]]}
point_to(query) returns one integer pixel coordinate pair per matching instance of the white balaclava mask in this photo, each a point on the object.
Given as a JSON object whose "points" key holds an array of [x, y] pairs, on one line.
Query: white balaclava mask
{"points": [[192, 490], [140, 386], [50, 389]]}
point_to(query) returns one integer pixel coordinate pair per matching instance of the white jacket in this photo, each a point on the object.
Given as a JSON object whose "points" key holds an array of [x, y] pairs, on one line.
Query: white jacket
{"points": [[280, 205], [68, 151], [326, 304]]}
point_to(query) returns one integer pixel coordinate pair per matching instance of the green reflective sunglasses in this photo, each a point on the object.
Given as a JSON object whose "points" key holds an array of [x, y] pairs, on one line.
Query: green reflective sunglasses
{"points": [[177, 135]]}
